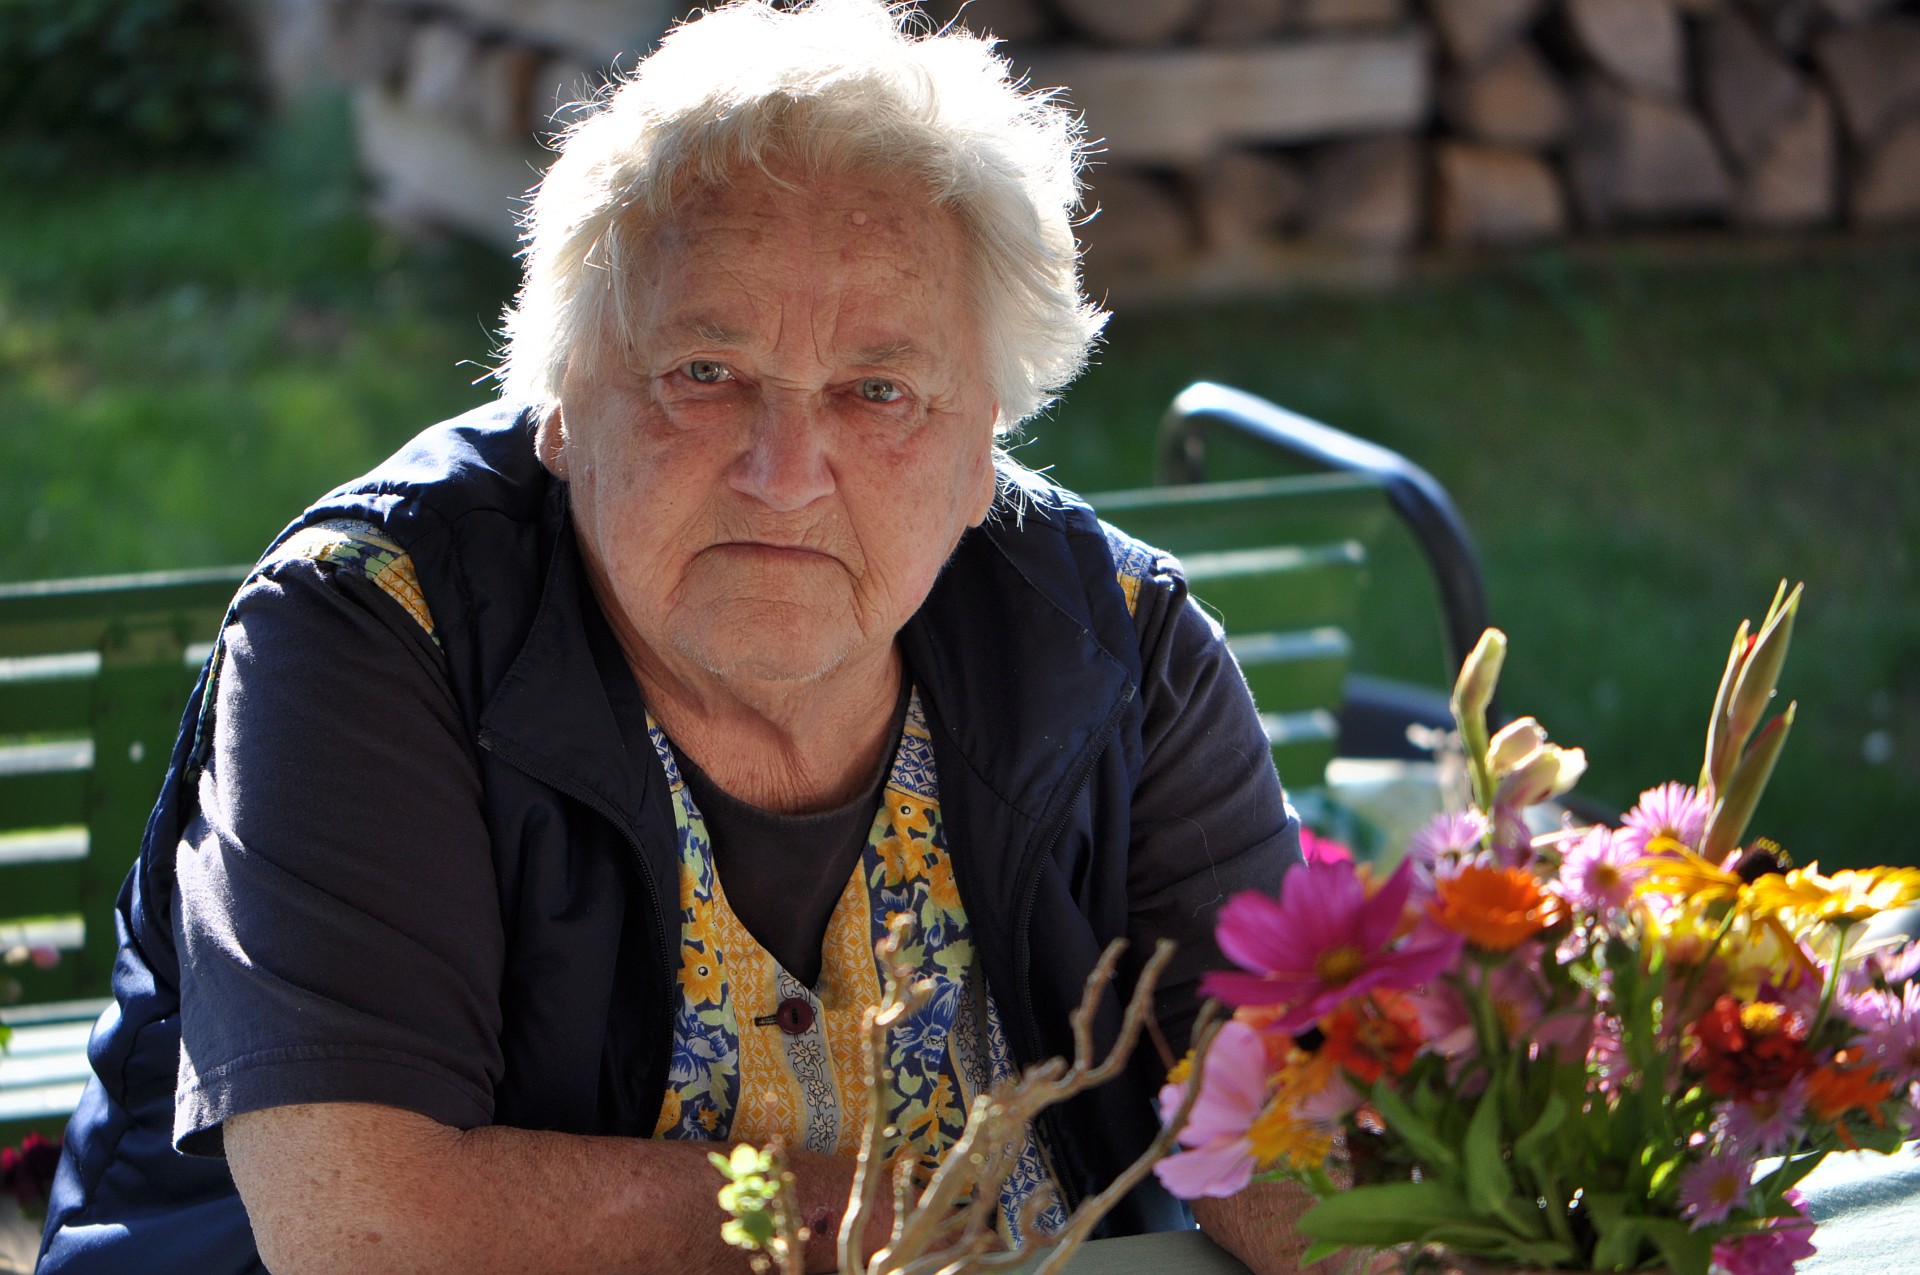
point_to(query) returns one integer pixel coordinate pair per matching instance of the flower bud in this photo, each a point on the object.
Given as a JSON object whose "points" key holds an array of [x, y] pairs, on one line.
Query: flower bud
{"points": [[1473, 690], [1547, 772], [1516, 741]]}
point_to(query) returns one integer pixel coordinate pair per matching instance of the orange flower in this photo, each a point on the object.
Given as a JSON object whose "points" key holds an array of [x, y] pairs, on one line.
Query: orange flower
{"points": [[1497, 909], [1833, 1091], [1368, 1037]]}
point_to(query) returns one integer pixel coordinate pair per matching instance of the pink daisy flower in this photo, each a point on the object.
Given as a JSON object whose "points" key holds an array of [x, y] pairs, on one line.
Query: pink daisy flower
{"points": [[1893, 1032], [1714, 1186], [1445, 842], [1671, 810], [1900, 964], [1218, 1160], [1772, 1250], [1323, 941], [1768, 1125], [1599, 872]]}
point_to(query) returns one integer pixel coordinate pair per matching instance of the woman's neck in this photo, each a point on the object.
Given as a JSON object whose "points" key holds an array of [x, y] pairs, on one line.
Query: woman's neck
{"points": [[791, 747]]}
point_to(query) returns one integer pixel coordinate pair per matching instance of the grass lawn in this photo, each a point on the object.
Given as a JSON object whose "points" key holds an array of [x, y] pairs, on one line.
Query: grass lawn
{"points": [[188, 357]]}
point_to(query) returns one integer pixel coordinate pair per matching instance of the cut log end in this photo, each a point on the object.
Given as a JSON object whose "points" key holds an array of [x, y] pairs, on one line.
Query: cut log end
{"points": [[1365, 194], [1488, 196]]}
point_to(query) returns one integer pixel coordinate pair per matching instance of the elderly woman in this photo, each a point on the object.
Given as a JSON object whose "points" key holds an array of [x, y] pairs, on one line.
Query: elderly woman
{"points": [[535, 820]]}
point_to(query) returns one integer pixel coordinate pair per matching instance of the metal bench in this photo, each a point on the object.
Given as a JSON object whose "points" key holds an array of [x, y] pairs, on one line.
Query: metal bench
{"points": [[1280, 552], [93, 677]]}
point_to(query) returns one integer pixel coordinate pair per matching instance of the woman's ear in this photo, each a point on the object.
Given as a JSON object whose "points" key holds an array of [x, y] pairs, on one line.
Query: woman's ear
{"points": [[550, 444], [989, 481]]}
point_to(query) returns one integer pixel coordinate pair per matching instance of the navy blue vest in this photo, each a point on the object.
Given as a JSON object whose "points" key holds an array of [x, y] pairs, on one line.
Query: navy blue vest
{"points": [[1029, 669]]}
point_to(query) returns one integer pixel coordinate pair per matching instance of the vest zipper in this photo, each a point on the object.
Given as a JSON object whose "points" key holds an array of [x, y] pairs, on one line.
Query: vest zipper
{"points": [[607, 812], [1023, 921]]}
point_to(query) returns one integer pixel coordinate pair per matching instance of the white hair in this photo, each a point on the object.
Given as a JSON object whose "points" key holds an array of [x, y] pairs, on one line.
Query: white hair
{"points": [[834, 86]]}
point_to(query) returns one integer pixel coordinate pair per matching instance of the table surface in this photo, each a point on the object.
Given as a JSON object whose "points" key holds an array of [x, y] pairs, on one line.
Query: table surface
{"points": [[1865, 1205]]}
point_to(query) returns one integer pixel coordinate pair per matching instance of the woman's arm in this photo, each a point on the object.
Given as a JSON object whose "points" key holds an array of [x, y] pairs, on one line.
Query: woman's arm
{"points": [[351, 1187]]}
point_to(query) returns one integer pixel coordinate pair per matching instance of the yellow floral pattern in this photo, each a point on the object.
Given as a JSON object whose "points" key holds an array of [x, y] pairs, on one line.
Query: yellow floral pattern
{"points": [[736, 1072], [362, 546]]}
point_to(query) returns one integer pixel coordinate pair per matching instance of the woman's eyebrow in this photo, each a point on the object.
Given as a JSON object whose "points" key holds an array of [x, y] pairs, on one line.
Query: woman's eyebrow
{"points": [[710, 331], [901, 351]]}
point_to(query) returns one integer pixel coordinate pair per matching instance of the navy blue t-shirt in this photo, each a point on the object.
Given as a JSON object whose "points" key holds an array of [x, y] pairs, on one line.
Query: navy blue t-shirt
{"points": [[340, 935]]}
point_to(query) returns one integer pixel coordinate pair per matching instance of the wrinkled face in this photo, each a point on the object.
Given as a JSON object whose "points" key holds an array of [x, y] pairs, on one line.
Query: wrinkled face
{"points": [[771, 486]]}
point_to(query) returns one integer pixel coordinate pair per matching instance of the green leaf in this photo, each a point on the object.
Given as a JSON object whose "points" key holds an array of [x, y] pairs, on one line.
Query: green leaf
{"points": [[1489, 1184], [1788, 1175], [1687, 1252], [1390, 1213], [1617, 1247], [1320, 1252], [1743, 790], [1662, 1173], [1421, 1136], [1495, 1241], [1528, 1145]]}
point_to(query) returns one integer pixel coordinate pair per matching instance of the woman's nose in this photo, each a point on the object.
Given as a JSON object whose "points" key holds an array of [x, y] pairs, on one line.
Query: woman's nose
{"points": [[785, 464]]}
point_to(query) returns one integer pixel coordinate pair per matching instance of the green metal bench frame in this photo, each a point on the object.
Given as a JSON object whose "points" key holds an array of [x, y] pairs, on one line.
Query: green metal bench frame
{"points": [[94, 675]]}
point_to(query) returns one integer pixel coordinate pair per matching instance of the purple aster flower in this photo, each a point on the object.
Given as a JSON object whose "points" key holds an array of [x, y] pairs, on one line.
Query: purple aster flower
{"points": [[1714, 1185], [1772, 1250], [1671, 810], [1893, 1032], [1599, 872], [1770, 1123], [1900, 964], [1323, 941], [1446, 842]]}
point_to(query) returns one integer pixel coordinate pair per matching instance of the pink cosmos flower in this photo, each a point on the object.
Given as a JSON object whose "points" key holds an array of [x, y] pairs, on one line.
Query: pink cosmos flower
{"points": [[1771, 1251], [1323, 941], [1711, 1188], [1233, 1089], [1599, 872], [1315, 848], [1671, 810], [1770, 1123]]}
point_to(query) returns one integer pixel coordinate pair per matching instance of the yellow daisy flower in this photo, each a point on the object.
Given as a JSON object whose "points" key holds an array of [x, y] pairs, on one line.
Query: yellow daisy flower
{"points": [[1805, 897]]}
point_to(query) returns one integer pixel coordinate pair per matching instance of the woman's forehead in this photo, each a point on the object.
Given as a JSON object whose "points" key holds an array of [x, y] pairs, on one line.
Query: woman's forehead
{"points": [[888, 264], [847, 209]]}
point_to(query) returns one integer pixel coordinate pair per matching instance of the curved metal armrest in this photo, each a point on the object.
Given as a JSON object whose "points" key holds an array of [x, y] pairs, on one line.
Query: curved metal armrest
{"points": [[1414, 494]]}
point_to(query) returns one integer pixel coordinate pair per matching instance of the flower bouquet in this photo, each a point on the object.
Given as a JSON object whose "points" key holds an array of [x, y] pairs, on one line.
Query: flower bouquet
{"points": [[1597, 1049]]}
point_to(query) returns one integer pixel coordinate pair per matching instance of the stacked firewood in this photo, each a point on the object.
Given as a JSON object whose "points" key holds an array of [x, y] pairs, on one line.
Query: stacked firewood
{"points": [[1244, 142]]}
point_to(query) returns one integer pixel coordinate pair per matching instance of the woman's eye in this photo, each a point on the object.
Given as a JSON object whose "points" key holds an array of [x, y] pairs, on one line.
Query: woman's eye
{"points": [[707, 371], [879, 390]]}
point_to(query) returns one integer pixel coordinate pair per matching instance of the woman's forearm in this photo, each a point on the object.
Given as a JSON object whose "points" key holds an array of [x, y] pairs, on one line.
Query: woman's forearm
{"points": [[341, 1187]]}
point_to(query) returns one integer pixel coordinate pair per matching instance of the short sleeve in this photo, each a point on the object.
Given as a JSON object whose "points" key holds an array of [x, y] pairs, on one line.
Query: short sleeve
{"points": [[338, 923], [1209, 819]]}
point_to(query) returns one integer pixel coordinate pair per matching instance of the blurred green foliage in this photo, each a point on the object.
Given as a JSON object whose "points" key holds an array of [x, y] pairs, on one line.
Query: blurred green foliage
{"points": [[189, 355], [152, 78], [1642, 446]]}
